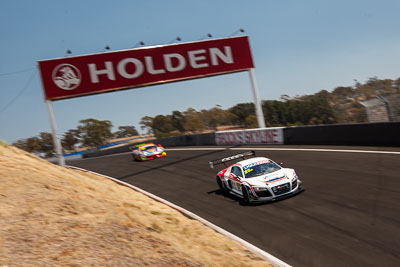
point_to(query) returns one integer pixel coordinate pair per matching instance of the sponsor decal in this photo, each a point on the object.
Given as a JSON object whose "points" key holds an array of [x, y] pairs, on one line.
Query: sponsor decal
{"points": [[255, 164], [258, 136], [232, 157]]}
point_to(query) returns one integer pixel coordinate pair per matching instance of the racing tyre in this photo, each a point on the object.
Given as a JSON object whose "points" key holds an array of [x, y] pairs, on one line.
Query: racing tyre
{"points": [[221, 186], [246, 199]]}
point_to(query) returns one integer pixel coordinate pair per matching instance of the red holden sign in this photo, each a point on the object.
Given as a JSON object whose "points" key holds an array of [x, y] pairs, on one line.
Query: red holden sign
{"points": [[99, 73]]}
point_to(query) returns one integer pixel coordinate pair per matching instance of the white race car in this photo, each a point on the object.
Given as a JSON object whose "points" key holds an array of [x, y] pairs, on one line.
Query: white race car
{"points": [[257, 179]]}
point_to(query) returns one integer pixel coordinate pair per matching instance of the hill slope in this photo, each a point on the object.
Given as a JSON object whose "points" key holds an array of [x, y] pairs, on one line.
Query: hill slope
{"points": [[55, 216]]}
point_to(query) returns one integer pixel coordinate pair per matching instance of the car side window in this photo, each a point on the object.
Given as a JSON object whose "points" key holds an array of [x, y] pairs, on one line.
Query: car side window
{"points": [[237, 171]]}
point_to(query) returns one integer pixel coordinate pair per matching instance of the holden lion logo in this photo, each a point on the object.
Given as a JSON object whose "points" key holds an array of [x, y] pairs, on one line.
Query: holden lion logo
{"points": [[66, 76]]}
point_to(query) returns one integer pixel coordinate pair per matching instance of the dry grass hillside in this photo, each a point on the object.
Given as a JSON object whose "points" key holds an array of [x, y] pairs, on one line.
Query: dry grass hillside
{"points": [[51, 216]]}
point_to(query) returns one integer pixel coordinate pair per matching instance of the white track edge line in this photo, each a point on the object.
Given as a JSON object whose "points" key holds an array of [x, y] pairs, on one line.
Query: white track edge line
{"points": [[291, 149], [263, 254], [267, 149]]}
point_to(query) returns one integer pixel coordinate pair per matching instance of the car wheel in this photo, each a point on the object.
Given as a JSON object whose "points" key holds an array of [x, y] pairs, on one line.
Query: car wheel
{"points": [[246, 199], [221, 185]]}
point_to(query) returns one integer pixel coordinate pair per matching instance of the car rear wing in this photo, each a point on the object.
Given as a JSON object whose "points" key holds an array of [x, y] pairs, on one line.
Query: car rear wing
{"points": [[230, 158], [137, 146]]}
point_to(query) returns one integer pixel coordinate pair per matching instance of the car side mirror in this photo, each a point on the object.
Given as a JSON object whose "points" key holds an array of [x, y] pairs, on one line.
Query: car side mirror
{"points": [[281, 163]]}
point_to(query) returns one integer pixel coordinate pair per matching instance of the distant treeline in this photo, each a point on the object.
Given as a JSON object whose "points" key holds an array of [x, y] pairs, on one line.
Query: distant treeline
{"points": [[339, 106]]}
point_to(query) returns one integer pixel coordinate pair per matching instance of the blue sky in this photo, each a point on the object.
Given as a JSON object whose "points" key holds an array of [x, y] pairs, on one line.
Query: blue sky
{"points": [[299, 47]]}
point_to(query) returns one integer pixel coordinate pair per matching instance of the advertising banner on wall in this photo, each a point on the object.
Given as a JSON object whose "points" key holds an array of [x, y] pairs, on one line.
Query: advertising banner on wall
{"points": [[253, 136], [111, 71]]}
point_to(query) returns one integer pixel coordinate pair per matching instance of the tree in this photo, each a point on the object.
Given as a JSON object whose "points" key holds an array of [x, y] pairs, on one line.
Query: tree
{"points": [[193, 120], [70, 139], [147, 124], [46, 143], [178, 121], [94, 132], [126, 131], [251, 121], [37, 144], [216, 116], [31, 144], [211, 118], [162, 124], [242, 111]]}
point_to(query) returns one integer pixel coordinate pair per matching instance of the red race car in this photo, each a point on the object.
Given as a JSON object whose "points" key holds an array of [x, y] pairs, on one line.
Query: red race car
{"points": [[147, 151]]}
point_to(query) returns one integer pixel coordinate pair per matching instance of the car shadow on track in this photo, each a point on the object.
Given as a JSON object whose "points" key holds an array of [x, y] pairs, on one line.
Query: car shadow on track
{"points": [[241, 202], [176, 162]]}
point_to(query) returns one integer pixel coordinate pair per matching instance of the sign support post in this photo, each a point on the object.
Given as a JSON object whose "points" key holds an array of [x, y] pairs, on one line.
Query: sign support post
{"points": [[257, 103], [56, 140]]}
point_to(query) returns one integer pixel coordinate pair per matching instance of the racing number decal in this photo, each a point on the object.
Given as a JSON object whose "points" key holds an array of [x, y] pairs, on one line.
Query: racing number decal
{"points": [[247, 171]]}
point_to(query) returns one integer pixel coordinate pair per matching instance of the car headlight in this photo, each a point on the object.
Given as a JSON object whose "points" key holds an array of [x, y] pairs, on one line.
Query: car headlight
{"points": [[257, 189]]}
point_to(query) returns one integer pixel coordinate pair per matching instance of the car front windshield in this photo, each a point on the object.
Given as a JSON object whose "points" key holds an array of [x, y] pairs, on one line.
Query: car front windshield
{"points": [[149, 148], [253, 170]]}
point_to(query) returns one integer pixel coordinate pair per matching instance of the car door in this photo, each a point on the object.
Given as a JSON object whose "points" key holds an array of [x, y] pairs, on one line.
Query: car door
{"points": [[235, 179]]}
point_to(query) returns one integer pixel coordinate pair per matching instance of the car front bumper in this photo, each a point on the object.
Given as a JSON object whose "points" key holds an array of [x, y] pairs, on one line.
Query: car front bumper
{"points": [[153, 156], [295, 191]]}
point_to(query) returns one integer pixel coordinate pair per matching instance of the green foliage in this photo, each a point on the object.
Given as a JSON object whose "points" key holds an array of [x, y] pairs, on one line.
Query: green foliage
{"points": [[94, 132], [193, 120], [251, 121], [241, 112], [340, 106], [146, 123], [162, 124], [126, 131], [178, 121], [46, 143], [216, 117], [37, 144], [71, 138]]}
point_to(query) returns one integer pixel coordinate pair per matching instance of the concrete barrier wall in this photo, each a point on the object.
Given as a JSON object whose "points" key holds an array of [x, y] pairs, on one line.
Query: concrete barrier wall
{"points": [[207, 139], [363, 134]]}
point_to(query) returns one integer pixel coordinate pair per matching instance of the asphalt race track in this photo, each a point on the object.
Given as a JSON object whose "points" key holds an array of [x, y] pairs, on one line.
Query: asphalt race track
{"points": [[348, 215]]}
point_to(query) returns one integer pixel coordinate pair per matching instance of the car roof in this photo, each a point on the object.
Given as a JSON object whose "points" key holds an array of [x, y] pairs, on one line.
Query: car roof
{"points": [[148, 144], [249, 161]]}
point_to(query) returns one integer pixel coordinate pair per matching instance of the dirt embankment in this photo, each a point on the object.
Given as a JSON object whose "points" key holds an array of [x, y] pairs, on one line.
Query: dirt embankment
{"points": [[52, 216]]}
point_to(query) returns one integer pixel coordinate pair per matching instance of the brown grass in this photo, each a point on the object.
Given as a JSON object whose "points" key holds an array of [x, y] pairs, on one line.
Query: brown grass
{"points": [[52, 216]]}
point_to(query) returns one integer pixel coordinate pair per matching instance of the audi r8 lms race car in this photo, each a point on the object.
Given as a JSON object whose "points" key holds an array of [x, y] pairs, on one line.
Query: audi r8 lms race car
{"points": [[257, 179], [147, 151]]}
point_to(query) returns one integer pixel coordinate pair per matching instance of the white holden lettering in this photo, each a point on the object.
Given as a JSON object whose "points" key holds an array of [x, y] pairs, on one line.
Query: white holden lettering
{"points": [[194, 58], [172, 62], [94, 73], [168, 62], [215, 53], [150, 66], [139, 68]]}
